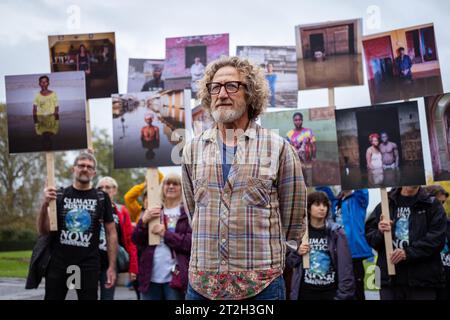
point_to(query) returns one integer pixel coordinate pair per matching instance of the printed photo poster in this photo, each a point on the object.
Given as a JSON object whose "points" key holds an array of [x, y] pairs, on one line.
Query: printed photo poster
{"points": [[145, 75], [93, 53], [201, 120], [329, 54], [438, 122], [46, 112], [150, 128], [312, 132], [380, 146], [187, 58], [280, 67], [403, 64]]}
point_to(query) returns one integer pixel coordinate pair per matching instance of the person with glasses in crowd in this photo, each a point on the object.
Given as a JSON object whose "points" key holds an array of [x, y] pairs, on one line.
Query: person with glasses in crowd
{"points": [[81, 209], [124, 232], [243, 190], [163, 269]]}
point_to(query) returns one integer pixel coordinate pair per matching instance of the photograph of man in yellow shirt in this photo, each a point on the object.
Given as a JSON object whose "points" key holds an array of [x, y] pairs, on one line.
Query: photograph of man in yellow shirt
{"points": [[46, 110]]}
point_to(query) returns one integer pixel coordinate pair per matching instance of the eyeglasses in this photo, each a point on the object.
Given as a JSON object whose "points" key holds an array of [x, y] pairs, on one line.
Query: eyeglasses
{"points": [[230, 87], [107, 187], [85, 166], [172, 183]]}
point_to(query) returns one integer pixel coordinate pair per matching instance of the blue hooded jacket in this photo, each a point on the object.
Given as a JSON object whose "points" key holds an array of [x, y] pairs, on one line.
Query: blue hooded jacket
{"points": [[353, 211]]}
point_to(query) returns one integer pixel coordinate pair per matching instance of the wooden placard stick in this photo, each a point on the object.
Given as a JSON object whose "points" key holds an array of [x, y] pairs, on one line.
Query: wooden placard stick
{"points": [[52, 216], [90, 144], [153, 201], [331, 97], [305, 239], [387, 235]]}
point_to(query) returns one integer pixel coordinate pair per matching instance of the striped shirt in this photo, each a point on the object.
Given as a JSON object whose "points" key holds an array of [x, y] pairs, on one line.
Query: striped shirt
{"points": [[239, 227]]}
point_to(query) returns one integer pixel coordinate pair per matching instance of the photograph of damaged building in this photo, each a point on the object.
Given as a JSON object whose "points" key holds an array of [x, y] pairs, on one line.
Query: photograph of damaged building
{"points": [[329, 54], [146, 128], [362, 129], [403, 64]]}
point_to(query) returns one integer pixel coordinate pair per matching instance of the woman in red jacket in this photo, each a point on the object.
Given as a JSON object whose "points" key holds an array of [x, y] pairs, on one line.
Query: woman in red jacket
{"points": [[124, 231]]}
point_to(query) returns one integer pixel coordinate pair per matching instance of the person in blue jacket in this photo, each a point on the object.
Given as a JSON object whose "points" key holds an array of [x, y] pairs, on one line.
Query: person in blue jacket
{"points": [[349, 211]]}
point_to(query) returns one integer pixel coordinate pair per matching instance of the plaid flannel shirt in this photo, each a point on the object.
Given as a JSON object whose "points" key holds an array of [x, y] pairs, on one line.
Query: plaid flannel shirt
{"points": [[239, 228]]}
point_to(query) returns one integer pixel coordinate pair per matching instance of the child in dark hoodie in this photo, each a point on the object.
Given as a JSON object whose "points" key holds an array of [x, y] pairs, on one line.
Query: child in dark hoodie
{"points": [[330, 276]]}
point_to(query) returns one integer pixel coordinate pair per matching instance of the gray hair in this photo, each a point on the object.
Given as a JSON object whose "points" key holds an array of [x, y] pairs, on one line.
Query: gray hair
{"points": [[257, 93], [85, 156], [108, 180]]}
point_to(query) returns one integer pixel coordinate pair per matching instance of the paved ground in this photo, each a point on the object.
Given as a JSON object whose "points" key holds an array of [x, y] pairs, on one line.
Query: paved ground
{"points": [[14, 289]]}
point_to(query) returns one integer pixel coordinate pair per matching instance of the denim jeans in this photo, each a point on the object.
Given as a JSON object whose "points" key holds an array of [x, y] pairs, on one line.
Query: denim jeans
{"points": [[275, 291], [161, 291]]}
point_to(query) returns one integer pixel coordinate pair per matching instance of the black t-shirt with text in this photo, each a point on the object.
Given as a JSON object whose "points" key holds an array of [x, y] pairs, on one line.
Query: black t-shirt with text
{"points": [[80, 214], [321, 275], [401, 233]]}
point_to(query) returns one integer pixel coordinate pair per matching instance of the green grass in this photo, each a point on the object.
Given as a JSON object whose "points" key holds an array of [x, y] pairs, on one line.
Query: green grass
{"points": [[14, 264]]}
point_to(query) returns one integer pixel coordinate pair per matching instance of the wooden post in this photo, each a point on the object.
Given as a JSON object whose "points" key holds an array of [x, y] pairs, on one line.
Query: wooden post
{"points": [[52, 215], [90, 145], [331, 98], [153, 201], [387, 235], [305, 240]]}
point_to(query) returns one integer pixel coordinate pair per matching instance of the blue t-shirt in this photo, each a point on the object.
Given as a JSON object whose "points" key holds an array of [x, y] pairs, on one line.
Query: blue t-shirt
{"points": [[227, 159], [271, 79]]}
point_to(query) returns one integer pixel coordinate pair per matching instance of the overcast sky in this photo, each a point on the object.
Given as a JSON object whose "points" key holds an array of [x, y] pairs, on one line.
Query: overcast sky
{"points": [[142, 26]]}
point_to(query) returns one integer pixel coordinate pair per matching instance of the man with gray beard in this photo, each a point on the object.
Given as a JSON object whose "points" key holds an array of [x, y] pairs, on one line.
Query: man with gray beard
{"points": [[81, 209], [243, 189]]}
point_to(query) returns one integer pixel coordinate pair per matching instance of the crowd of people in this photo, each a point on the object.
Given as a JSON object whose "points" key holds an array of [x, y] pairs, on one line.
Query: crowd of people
{"points": [[224, 224]]}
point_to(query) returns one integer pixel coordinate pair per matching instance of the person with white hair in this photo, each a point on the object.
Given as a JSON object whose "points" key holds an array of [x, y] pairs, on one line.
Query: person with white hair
{"points": [[124, 231], [163, 269]]}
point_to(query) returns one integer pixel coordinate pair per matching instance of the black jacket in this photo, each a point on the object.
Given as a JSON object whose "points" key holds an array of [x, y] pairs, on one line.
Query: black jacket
{"points": [[427, 232], [39, 260]]}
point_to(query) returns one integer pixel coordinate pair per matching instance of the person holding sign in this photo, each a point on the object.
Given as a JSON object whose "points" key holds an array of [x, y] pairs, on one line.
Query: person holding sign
{"points": [[348, 210], [46, 112], [135, 208], [75, 258], [243, 189], [418, 222], [442, 195], [163, 269], [330, 276]]}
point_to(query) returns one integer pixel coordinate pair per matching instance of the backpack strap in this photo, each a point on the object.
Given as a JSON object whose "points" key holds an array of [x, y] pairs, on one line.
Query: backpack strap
{"points": [[59, 197], [101, 203]]}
